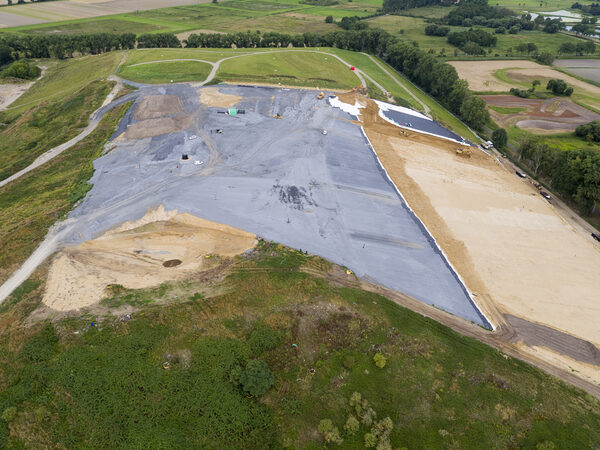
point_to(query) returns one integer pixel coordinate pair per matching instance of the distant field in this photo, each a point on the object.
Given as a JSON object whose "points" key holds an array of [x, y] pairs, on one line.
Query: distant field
{"points": [[584, 68], [109, 25]]}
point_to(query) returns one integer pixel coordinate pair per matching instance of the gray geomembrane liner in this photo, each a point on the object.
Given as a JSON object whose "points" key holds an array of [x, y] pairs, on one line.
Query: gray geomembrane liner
{"points": [[282, 179]]}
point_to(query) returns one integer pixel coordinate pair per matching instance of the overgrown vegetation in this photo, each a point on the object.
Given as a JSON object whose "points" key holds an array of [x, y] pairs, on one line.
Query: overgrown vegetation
{"points": [[181, 374], [31, 204], [589, 131], [21, 70], [35, 131]]}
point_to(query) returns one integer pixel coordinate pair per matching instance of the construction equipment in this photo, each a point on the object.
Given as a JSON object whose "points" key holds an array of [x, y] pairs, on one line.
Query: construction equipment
{"points": [[321, 95], [464, 152], [277, 116]]}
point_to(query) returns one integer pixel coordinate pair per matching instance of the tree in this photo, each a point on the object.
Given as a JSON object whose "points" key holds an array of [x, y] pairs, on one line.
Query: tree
{"points": [[589, 131], [473, 112], [545, 58], [499, 138], [257, 378], [329, 19], [534, 84]]}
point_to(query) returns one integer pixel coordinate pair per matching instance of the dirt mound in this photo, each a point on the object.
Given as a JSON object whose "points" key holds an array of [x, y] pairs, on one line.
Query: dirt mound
{"points": [[156, 127], [211, 96], [155, 106], [162, 246]]}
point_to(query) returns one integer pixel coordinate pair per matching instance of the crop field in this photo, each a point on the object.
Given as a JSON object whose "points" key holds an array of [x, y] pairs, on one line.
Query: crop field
{"points": [[500, 76], [109, 25], [555, 115], [585, 68]]}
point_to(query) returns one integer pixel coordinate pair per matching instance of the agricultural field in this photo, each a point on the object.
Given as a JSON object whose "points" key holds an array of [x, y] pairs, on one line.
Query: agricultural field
{"points": [[555, 115], [165, 72], [588, 69], [501, 76], [317, 339]]}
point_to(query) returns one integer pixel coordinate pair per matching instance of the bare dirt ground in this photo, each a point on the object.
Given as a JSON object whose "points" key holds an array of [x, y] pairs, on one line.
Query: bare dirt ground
{"points": [[210, 96], [9, 92], [155, 106], [554, 115], [186, 34], [162, 246], [514, 251]]}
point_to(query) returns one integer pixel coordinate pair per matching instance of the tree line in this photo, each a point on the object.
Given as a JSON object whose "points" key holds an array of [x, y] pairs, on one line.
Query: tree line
{"points": [[574, 173]]}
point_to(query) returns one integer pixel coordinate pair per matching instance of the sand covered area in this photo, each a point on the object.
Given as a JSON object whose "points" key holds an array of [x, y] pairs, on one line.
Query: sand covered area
{"points": [[516, 254], [210, 96], [161, 246]]}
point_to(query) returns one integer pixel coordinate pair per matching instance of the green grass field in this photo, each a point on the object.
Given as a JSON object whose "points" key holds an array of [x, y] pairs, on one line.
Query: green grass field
{"points": [[67, 384], [295, 68], [31, 204], [164, 72], [506, 110]]}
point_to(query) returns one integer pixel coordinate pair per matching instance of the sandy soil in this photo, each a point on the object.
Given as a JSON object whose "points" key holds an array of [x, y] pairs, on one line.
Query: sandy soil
{"points": [[210, 96], [540, 116], [134, 254], [155, 106], [514, 251], [480, 75], [10, 92]]}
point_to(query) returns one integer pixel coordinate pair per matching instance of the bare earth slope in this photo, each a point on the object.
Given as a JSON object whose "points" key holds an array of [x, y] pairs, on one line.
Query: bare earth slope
{"points": [[515, 252]]}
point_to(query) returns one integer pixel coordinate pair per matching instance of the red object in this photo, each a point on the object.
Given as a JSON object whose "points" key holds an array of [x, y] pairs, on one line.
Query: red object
{"points": [[352, 68]]}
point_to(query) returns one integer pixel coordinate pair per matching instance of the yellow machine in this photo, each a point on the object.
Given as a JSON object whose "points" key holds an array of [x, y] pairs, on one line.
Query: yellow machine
{"points": [[277, 116], [321, 95], [464, 152]]}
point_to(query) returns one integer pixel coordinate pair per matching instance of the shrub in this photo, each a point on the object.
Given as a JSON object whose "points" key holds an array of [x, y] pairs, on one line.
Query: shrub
{"points": [[329, 19], [9, 414], [380, 360], [499, 138], [370, 440], [559, 87], [352, 425], [22, 70], [330, 432], [589, 131], [257, 378], [263, 339]]}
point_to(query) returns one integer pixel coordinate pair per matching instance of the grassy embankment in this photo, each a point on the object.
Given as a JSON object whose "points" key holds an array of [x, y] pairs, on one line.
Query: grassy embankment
{"points": [[53, 110], [30, 205], [71, 385]]}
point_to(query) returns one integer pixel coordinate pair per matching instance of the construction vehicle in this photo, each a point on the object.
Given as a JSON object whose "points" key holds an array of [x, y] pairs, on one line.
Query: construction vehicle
{"points": [[277, 116], [321, 95], [464, 152]]}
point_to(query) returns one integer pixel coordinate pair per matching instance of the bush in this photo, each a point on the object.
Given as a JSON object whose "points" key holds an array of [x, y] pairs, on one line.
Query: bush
{"points": [[545, 58], [257, 378], [559, 87], [329, 19], [380, 360], [352, 425], [330, 432], [370, 440], [22, 70], [263, 339], [9, 414], [589, 131], [499, 138]]}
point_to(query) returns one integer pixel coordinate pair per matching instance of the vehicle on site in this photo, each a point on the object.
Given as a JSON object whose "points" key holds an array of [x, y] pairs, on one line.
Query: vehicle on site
{"points": [[465, 151], [324, 132], [520, 174], [596, 236], [545, 195], [487, 145], [192, 137], [277, 116], [321, 95]]}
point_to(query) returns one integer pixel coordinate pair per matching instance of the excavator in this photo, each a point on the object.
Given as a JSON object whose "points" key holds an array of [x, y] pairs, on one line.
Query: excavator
{"points": [[277, 116], [464, 151], [321, 95]]}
